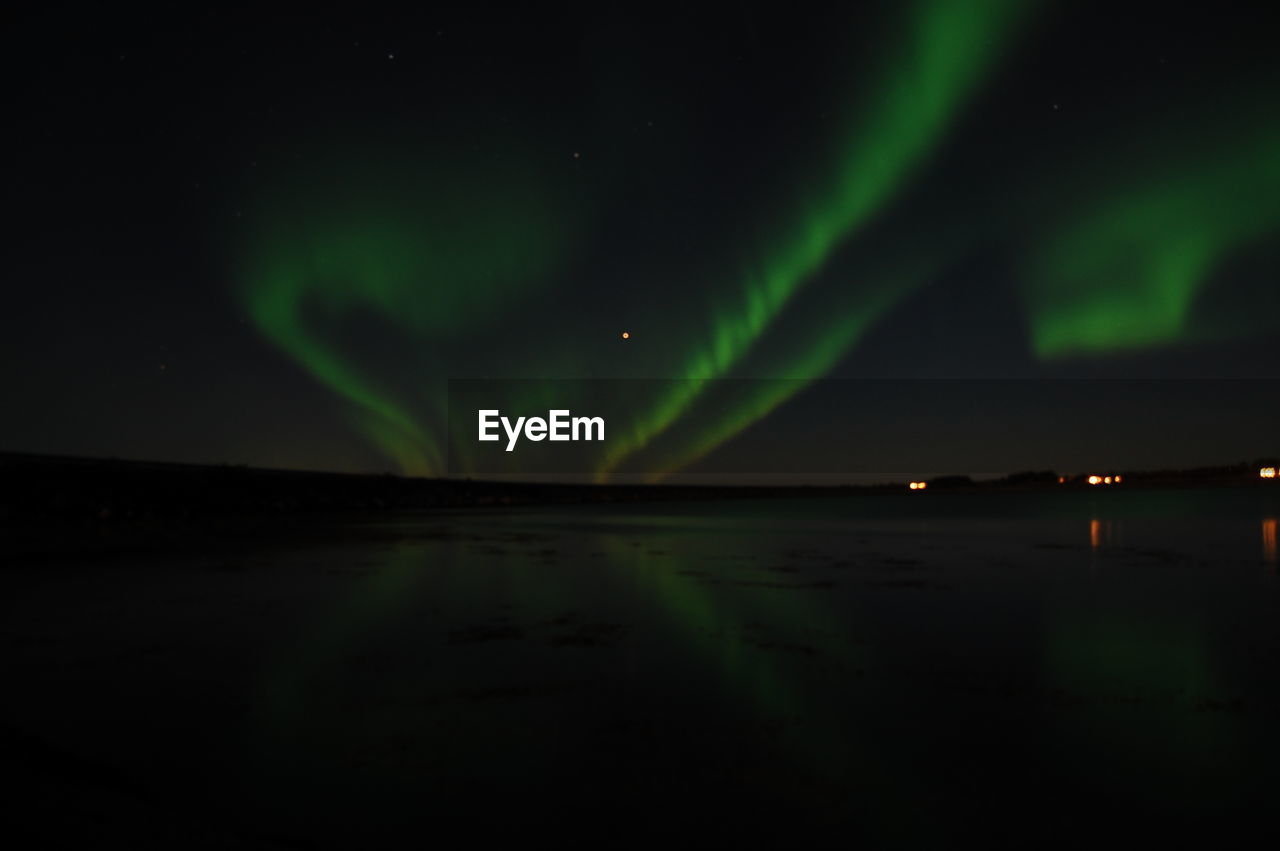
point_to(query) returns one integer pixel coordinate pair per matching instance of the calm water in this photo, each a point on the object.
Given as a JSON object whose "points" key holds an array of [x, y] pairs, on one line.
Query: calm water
{"points": [[907, 669]]}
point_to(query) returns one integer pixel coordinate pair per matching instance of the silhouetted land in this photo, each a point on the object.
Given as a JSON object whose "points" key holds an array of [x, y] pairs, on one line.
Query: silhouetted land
{"points": [[41, 487], [54, 507]]}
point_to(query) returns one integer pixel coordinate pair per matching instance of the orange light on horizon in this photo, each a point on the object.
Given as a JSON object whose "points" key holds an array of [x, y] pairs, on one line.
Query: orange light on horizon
{"points": [[1117, 480], [1095, 480], [918, 486], [1062, 479], [626, 335], [1267, 472]]}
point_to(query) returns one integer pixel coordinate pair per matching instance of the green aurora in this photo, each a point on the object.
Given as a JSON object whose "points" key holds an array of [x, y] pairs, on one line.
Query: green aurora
{"points": [[1120, 271], [347, 240], [1124, 271], [941, 58], [449, 242]]}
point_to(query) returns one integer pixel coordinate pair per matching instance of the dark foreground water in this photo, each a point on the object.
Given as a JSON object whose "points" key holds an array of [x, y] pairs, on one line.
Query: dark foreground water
{"points": [[906, 669]]}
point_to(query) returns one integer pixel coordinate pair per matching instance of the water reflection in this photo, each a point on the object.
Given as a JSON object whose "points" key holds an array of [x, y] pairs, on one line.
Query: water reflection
{"points": [[1133, 693], [734, 662], [1103, 533]]}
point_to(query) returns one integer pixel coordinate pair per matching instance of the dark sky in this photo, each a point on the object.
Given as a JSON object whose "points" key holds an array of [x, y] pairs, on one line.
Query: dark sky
{"points": [[271, 240]]}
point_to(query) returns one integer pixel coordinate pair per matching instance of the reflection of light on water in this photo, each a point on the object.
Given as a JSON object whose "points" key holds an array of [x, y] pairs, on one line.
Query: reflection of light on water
{"points": [[1269, 539], [1102, 533]]}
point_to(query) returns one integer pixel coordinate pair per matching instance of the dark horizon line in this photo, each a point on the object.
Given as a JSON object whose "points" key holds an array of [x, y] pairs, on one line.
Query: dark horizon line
{"points": [[1251, 465]]}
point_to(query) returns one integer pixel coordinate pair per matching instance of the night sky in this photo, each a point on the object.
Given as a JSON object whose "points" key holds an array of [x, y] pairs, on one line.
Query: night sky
{"points": [[237, 238]]}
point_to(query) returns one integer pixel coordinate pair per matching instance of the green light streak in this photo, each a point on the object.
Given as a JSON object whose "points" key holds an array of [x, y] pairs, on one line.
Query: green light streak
{"points": [[1124, 271], [942, 57], [276, 308], [813, 362], [423, 249]]}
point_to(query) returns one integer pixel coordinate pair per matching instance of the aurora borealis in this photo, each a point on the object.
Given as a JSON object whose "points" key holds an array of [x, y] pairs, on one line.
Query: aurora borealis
{"points": [[745, 425], [306, 230], [1126, 271]]}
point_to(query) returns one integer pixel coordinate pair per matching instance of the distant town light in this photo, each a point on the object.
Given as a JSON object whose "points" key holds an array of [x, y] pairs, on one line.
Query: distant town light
{"points": [[1117, 480], [1106, 480], [1267, 472], [1095, 480], [1062, 480], [918, 486]]}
